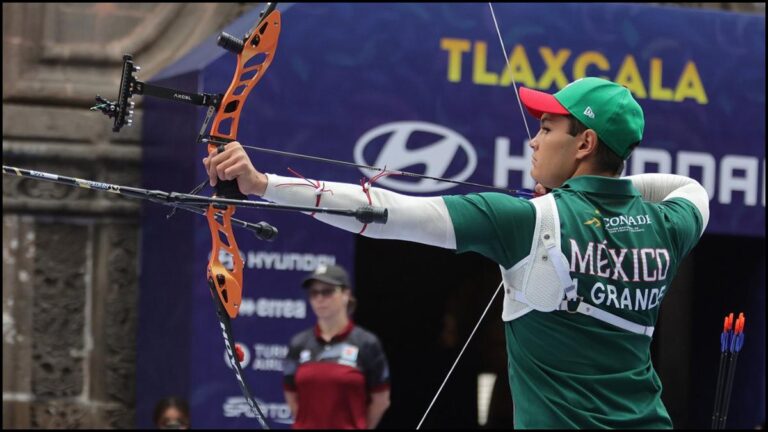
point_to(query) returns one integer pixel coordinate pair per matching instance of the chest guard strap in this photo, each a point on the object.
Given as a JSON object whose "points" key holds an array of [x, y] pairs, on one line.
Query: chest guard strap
{"points": [[542, 280]]}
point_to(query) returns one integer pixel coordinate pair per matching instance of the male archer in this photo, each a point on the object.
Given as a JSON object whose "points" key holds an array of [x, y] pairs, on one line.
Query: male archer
{"points": [[585, 267]]}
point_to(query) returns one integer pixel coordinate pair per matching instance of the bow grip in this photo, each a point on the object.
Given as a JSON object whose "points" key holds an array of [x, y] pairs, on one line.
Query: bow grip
{"points": [[224, 188]]}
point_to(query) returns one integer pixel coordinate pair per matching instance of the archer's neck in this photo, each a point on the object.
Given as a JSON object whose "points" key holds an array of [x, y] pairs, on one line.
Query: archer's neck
{"points": [[331, 326], [587, 169]]}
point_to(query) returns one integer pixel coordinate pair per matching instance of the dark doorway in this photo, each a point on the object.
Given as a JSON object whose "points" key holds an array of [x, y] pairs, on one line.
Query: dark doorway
{"points": [[423, 303]]}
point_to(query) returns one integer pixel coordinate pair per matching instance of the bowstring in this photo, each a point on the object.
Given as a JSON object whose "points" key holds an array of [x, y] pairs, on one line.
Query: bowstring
{"points": [[528, 131]]}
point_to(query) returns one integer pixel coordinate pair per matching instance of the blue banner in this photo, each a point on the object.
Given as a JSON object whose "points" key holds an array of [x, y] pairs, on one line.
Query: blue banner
{"points": [[426, 88]]}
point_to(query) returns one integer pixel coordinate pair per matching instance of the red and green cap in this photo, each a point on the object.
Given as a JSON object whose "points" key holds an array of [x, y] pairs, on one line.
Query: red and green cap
{"points": [[603, 106]]}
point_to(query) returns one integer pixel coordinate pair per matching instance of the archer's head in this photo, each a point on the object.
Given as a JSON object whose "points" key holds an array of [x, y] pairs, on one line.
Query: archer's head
{"points": [[590, 127]]}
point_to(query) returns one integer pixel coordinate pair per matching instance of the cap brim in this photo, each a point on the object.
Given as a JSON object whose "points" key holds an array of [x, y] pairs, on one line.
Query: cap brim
{"points": [[329, 281], [538, 103]]}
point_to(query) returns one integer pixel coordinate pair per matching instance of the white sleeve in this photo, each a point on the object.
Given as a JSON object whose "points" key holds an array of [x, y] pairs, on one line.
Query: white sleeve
{"points": [[661, 187], [418, 219]]}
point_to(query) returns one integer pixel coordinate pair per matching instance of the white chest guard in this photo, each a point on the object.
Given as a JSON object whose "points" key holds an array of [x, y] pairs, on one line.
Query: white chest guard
{"points": [[534, 282], [541, 281]]}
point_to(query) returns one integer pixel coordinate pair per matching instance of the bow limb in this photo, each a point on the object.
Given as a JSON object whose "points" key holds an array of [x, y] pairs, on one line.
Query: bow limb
{"points": [[254, 56]]}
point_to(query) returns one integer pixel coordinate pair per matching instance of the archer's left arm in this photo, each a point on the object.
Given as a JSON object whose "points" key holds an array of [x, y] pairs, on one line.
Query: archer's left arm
{"points": [[417, 219]]}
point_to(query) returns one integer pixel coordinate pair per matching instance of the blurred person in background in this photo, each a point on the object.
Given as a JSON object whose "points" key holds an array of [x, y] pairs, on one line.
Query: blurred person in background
{"points": [[336, 373], [171, 413]]}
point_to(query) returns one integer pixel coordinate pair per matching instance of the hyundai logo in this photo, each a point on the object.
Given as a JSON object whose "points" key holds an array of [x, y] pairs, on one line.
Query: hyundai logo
{"points": [[442, 148]]}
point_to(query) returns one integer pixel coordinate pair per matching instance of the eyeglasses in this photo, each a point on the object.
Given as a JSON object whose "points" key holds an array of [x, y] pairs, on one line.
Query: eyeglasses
{"points": [[325, 292]]}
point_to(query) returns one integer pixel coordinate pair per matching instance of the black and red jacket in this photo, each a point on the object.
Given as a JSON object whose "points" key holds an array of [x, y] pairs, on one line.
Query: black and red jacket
{"points": [[333, 379]]}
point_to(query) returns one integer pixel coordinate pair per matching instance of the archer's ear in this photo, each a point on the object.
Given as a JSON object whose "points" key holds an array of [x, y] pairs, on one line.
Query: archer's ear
{"points": [[588, 144]]}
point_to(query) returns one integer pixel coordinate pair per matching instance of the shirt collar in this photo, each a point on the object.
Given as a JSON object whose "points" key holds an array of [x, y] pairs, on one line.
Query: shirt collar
{"points": [[601, 184], [338, 336]]}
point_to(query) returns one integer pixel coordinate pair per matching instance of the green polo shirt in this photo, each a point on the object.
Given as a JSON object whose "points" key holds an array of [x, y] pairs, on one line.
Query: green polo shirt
{"points": [[571, 370]]}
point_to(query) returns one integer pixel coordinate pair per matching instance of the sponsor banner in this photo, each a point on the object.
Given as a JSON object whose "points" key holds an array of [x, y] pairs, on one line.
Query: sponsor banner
{"points": [[424, 88], [277, 413]]}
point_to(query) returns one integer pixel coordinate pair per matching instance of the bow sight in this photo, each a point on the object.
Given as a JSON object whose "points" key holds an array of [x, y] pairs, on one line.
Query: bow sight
{"points": [[121, 110]]}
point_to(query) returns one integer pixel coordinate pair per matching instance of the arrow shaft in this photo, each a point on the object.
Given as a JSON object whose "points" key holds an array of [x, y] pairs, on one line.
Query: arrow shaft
{"points": [[181, 200], [379, 169]]}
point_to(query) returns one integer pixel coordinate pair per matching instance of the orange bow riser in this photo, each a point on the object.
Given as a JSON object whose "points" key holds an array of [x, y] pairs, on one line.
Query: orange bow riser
{"points": [[254, 56]]}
